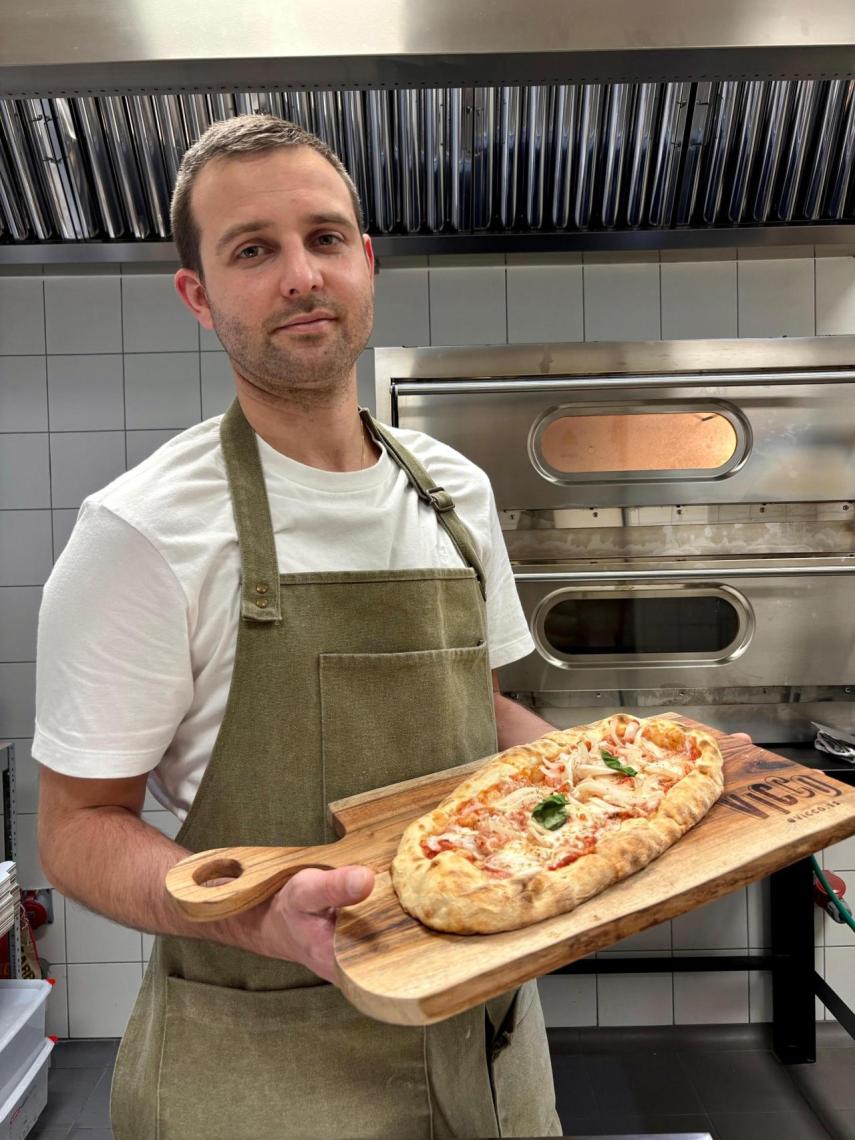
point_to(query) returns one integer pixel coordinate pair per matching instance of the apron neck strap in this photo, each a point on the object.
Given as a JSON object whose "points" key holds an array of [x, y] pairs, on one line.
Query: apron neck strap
{"points": [[259, 590], [431, 494]]}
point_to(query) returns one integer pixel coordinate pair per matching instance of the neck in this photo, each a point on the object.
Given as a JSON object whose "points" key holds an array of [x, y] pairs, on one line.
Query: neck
{"points": [[329, 436]]}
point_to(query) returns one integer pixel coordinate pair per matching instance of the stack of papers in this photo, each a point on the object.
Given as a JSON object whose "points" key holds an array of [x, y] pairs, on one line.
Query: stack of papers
{"points": [[10, 896], [835, 734]]}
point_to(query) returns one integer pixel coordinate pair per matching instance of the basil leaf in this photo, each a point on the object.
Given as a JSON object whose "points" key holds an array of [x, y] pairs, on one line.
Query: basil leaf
{"points": [[550, 813], [614, 763]]}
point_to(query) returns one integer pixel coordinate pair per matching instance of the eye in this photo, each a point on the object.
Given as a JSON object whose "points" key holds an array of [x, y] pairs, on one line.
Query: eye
{"points": [[249, 252], [329, 239]]}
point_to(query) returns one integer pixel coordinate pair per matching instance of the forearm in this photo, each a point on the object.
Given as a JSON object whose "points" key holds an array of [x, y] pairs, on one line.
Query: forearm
{"points": [[515, 724], [115, 864]]}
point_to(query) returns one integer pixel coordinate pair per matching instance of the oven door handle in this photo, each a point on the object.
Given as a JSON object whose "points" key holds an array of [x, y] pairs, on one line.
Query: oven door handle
{"points": [[687, 575], [605, 383]]}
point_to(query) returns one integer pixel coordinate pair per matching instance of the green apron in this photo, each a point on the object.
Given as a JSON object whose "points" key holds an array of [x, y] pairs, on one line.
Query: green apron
{"points": [[342, 682]]}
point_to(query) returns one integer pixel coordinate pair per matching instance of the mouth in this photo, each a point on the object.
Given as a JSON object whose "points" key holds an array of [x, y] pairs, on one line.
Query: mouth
{"points": [[307, 323]]}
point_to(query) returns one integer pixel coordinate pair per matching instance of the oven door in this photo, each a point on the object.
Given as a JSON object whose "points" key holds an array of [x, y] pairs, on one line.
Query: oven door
{"points": [[645, 441], [696, 625]]}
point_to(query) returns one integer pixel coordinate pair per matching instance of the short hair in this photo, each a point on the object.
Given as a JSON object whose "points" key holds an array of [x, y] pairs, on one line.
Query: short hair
{"points": [[236, 138]]}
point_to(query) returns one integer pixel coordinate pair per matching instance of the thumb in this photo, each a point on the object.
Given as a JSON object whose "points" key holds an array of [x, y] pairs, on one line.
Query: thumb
{"points": [[315, 891], [358, 884]]}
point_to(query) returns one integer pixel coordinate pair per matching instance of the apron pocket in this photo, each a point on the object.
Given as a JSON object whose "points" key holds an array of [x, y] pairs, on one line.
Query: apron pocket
{"points": [[300, 1064], [521, 1070], [395, 716]]}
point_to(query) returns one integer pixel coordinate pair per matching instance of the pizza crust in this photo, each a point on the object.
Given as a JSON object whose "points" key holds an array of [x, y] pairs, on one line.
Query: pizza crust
{"points": [[447, 892]]}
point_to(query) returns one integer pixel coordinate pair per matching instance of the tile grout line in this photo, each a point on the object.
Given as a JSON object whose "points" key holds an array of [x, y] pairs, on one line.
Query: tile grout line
{"points": [[47, 417], [53, 562], [124, 379], [78, 431], [814, 293], [747, 954], [673, 975], [199, 355], [201, 397], [145, 352], [507, 317], [430, 329]]}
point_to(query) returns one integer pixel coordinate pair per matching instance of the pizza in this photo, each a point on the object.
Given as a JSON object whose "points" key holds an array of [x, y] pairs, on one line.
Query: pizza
{"points": [[544, 826]]}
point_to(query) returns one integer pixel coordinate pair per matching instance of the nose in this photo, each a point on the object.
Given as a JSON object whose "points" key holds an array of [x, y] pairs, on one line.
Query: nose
{"points": [[301, 272]]}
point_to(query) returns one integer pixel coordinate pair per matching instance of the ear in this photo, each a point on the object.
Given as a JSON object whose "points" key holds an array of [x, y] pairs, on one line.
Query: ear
{"points": [[369, 256], [189, 287]]}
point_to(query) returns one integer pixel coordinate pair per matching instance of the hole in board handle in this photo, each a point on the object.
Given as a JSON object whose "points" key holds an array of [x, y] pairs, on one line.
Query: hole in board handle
{"points": [[216, 872]]}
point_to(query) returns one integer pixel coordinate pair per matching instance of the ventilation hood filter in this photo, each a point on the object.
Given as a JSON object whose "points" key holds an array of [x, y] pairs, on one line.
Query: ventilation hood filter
{"points": [[553, 124]]}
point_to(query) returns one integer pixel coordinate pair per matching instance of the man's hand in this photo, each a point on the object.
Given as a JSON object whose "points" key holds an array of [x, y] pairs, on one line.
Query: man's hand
{"points": [[87, 825], [298, 923]]}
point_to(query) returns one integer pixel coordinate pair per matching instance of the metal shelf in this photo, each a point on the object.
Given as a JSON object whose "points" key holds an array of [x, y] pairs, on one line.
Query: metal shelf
{"points": [[10, 847]]}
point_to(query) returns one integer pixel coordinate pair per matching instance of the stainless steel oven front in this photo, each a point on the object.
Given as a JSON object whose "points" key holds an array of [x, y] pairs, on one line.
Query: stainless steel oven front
{"points": [[679, 516]]}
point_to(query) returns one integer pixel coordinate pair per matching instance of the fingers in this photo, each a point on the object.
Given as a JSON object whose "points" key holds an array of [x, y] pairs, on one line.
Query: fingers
{"points": [[316, 892], [298, 923]]}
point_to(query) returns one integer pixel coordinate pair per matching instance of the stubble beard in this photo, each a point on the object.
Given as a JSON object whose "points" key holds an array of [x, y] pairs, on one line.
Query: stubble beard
{"points": [[308, 375]]}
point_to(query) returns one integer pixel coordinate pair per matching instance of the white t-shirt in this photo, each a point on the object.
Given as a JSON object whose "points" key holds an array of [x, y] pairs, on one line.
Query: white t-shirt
{"points": [[138, 624]]}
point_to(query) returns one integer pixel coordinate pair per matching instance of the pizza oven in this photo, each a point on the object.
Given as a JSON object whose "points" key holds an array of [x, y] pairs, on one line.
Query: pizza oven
{"points": [[679, 516]]}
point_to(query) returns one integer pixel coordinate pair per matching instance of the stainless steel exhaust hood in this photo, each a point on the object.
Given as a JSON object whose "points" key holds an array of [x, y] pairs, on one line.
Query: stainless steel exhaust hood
{"points": [[550, 124]]}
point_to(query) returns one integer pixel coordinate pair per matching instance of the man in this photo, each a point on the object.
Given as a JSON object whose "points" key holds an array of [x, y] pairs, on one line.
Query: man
{"points": [[279, 608]]}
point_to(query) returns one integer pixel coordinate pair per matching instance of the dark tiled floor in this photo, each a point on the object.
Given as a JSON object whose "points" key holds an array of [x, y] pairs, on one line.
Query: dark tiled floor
{"points": [[78, 1092], [717, 1079]]}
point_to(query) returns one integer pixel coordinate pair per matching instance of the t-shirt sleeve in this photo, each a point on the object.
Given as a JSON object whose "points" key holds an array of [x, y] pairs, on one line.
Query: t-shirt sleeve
{"points": [[113, 675], [507, 629]]}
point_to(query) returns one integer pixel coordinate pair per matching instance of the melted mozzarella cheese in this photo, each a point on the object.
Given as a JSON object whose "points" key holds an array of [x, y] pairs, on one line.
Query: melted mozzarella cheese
{"points": [[596, 787], [604, 807], [509, 841], [515, 860], [457, 836], [585, 771], [542, 836], [522, 797], [669, 769]]}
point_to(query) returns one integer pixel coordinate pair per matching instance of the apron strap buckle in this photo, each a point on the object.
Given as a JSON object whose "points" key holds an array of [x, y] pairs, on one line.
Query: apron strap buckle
{"points": [[439, 499]]}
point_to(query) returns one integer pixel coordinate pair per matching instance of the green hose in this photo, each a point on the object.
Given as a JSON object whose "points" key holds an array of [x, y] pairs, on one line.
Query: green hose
{"points": [[844, 913]]}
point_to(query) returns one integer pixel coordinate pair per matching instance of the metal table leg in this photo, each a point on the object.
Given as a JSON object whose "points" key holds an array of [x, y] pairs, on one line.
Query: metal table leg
{"points": [[793, 1006]]}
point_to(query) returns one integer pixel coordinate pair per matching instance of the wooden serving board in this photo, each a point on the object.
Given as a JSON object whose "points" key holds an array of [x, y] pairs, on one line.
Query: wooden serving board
{"points": [[772, 813]]}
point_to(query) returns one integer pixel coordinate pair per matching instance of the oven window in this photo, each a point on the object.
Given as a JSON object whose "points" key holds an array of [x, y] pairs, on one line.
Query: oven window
{"points": [[695, 624], [574, 444]]}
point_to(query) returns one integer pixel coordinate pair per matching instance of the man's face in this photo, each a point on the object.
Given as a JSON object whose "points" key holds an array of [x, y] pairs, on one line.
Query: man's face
{"points": [[288, 279]]}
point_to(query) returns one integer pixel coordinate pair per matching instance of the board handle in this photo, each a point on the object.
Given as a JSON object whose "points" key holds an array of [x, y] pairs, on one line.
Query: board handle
{"points": [[228, 880]]}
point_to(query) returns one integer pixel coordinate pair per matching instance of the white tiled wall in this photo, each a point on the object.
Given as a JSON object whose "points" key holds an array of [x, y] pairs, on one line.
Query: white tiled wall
{"points": [[99, 366]]}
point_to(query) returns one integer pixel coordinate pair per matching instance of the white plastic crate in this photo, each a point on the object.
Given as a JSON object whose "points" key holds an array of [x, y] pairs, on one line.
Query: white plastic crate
{"points": [[26, 1101], [22, 1028]]}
